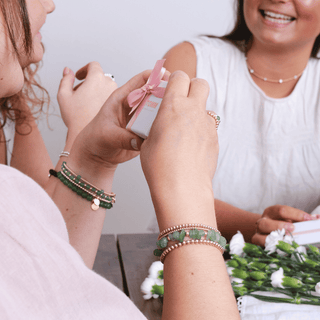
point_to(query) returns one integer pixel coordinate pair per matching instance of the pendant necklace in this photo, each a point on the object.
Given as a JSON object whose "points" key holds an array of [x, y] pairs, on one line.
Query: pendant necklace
{"points": [[295, 77]]}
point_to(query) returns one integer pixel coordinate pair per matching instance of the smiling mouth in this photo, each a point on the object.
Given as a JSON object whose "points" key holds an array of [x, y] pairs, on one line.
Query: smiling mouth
{"points": [[276, 17]]}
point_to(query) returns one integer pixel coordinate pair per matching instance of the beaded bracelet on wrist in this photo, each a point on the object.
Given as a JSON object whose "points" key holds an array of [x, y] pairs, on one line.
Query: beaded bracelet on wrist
{"points": [[188, 242], [184, 226], [85, 189], [188, 235]]}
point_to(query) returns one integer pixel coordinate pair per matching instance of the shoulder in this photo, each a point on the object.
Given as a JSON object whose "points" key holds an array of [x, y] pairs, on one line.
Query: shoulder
{"points": [[191, 55], [182, 57]]}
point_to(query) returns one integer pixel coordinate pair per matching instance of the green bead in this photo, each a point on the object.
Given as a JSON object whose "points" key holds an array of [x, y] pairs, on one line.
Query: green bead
{"points": [[89, 197], [222, 242], [162, 243], [84, 194], [157, 252], [171, 236], [82, 184], [93, 189], [109, 205], [108, 198], [68, 174], [74, 188], [182, 235], [175, 235], [103, 196], [70, 184], [72, 177], [218, 118], [87, 187], [78, 177], [211, 235], [79, 191], [196, 234]]}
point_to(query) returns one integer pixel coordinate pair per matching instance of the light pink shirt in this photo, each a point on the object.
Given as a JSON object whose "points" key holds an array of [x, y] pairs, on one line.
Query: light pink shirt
{"points": [[41, 275]]}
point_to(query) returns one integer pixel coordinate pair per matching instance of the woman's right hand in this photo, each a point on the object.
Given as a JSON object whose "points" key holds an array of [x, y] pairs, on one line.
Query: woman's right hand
{"points": [[179, 156], [278, 217]]}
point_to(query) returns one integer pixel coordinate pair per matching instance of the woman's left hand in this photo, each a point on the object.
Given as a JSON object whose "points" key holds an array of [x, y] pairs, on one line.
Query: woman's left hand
{"points": [[80, 104]]}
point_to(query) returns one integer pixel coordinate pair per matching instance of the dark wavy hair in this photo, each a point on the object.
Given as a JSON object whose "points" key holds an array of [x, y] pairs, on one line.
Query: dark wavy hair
{"points": [[16, 20], [241, 36]]}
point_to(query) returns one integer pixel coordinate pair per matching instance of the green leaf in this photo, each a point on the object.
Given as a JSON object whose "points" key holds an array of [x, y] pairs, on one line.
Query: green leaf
{"points": [[159, 290]]}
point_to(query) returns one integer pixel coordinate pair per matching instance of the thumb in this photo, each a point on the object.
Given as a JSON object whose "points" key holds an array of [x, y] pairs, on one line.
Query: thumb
{"points": [[66, 83], [130, 141]]}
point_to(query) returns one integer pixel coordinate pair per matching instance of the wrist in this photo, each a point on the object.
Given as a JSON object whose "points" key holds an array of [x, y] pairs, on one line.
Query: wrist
{"points": [[181, 205]]}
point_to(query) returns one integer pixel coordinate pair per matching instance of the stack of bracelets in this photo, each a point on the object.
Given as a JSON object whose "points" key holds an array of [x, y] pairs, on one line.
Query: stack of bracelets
{"points": [[83, 188], [185, 234]]}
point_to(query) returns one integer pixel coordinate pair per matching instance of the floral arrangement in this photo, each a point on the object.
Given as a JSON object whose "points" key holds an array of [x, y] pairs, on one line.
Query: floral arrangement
{"points": [[282, 267]]}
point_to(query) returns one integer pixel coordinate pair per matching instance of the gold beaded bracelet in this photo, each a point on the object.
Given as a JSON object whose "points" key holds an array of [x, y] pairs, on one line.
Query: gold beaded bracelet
{"points": [[180, 244]]}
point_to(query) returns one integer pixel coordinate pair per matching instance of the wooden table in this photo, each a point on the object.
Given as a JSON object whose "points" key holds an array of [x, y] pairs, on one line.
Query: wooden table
{"points": [[125, 263]]}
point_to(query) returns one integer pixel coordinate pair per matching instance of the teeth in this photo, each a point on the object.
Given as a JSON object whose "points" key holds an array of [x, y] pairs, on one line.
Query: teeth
{"points": [[277, 20], [277, 15]]}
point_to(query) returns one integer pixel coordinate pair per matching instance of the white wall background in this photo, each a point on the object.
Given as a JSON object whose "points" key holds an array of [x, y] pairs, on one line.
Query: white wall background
{"points": [[126, 37]]}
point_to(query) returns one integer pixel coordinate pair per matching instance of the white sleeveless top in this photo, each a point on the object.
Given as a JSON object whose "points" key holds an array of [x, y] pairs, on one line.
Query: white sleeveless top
{"points": [[269, 148]]}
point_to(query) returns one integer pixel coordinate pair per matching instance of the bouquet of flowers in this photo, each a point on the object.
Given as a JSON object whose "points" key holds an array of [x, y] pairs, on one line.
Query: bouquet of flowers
{"points": [[283, 267]]}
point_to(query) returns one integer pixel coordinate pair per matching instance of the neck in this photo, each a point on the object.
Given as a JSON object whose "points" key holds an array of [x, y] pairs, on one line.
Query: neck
{"points": [[274, 63]]}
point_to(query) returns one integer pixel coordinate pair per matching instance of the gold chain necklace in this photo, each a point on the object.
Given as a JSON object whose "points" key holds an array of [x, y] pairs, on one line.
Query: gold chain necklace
{"points": [[295, 77]]}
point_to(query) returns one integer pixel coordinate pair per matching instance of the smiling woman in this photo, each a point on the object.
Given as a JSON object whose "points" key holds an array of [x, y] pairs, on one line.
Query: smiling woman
{"points": [[264, 80]]}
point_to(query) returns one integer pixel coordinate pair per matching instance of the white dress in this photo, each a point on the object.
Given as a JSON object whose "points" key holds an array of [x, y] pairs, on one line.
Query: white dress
{"points": [[269, 148], [41, 274]]}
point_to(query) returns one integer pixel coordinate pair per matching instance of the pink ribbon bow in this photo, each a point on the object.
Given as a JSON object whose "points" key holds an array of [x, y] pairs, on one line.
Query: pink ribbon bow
{"points": [[151, 87]]}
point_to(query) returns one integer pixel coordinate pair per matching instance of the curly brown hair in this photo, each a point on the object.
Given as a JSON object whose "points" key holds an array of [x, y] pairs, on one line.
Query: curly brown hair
{"points": [[16, 19], [241, 36]]}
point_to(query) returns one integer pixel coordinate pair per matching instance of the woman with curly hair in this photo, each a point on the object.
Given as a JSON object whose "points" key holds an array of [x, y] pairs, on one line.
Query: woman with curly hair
{"points": [[264, 81]]}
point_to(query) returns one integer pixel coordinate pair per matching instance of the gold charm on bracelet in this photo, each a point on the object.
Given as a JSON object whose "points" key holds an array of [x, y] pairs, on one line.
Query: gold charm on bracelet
{"points": [[95, 204]]}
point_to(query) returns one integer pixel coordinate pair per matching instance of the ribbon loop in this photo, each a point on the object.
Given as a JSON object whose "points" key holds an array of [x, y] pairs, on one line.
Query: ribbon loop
{"points": [[151, 87]]}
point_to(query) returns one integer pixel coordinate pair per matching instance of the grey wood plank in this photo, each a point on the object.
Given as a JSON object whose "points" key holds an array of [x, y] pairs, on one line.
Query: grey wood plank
{"points": [[137, 256], [107, 261]]}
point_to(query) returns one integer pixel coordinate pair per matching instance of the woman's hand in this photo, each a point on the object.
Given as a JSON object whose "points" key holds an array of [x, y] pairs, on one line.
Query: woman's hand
{"points": [[179, 156], [80, 104], [278, 217]]}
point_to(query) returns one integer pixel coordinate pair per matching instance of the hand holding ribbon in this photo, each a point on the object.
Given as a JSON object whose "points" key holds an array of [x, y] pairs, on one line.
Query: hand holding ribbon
{"points": [[151, 87]]}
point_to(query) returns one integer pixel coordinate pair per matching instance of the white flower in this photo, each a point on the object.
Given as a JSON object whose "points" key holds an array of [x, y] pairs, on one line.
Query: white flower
{"points": [[146, 288], [272, 240], [273, 266], [300, 258], [288, 239], [237, 244], [238, 281], [154, 269], [317, 288], [276, 279]]}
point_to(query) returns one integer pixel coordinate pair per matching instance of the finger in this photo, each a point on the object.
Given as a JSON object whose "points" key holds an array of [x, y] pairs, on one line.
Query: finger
{"points": [[166, 76], [89, 69], [265, 226], [66, 83], [279, 212], [199, 90], [259, 239], [178, 85], [128, 140]]}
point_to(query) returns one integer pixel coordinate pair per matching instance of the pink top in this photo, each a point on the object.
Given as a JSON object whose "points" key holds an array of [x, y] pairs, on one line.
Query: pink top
{"points": [[41, 275]]}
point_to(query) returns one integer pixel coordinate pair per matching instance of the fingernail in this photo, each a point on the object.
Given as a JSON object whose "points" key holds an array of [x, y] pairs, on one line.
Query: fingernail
{"points": [[289, 227], [307, 217], [134, 144], [66, 70]]}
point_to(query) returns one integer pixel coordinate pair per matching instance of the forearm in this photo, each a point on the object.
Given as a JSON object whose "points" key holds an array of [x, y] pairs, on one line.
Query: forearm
{"points": [[84, 225], [231, 219], [194, 275]]}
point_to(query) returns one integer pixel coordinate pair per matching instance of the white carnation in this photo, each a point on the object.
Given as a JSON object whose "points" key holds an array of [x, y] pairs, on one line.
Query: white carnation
{"points": [[154, 269], [146, 288], [237, 244], [276, 279], [272, 240]]}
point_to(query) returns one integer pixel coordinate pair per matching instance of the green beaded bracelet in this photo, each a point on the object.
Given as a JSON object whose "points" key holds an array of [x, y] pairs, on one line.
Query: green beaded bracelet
{"points": [[194, 234], [84, 189]]}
